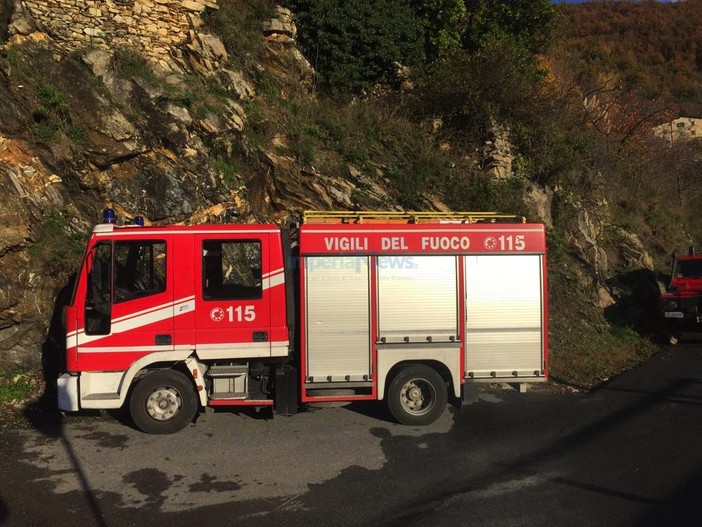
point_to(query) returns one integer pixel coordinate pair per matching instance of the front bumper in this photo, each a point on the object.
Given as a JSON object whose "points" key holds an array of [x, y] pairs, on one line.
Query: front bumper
{"points": [[681, 316], [682, 309], [68, 394]]}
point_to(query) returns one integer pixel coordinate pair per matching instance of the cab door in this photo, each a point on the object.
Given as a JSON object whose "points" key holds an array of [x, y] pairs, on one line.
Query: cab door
{"points": [[128, 310], [234, 307]]}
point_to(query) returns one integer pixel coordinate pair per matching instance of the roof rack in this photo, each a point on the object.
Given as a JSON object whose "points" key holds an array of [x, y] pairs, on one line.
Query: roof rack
{"points": [[356, 217]]}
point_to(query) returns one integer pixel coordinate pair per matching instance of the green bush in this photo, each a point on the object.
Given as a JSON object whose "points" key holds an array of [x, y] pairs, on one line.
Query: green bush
{"points": [[353, 44], [52, 116], [443, 22], [482, 192], [527, 26], [230, 169], [469, 91], [131, 64], [16, 384]]}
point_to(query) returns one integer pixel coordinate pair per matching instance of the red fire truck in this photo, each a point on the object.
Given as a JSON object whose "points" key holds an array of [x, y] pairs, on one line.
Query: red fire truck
{"points": [[681, 304], [411, 308]]}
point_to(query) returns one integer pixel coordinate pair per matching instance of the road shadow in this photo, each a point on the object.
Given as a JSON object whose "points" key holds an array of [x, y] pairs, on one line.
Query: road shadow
{"points": [[377, 410], [683, 507], [53, 351], [44, 416], [636, 296], [446, 488]]}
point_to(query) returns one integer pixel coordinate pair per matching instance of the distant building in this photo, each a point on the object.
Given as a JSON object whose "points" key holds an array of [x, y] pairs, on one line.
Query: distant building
{"points": [[680, 129]]}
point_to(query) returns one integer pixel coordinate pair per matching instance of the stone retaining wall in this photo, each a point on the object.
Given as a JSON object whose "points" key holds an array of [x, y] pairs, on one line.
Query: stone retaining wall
{"points": [[160, 29]]}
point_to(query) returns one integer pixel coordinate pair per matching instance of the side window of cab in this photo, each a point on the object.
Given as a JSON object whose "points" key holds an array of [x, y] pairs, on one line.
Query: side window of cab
{"points": [[232, 270]]}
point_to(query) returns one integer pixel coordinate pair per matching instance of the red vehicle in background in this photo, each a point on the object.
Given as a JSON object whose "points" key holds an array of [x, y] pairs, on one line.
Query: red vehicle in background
{"points": [[681, 304]]}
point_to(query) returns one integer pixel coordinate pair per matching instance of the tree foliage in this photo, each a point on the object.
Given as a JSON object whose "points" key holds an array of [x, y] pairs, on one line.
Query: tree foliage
{"points": [[469, 90], [651, 47], [442, 21], [526, 26], [352, 43]]}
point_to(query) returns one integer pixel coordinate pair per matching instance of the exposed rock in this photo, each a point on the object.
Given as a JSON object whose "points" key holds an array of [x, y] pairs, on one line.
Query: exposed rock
{"points": [[213, 47], [205, 53], [402, 78], [191, 5], [370, 191], [603, 298], [538, 201], [14, 227], [21, 22], [154, 187], [586, 230], [282, 28], [305, 69], [631, 251], [100, 62], [497, 153], [218, 124], [149, 147], [180, 113], [21, 342], [234, 81], [28, 189]]}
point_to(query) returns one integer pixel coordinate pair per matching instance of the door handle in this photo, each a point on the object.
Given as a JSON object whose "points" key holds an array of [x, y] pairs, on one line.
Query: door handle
{"points": [[260, 336], [163, 340]]}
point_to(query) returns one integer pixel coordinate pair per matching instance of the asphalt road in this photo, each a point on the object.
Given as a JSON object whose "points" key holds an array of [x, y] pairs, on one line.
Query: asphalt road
{"points": [[627, 454]]}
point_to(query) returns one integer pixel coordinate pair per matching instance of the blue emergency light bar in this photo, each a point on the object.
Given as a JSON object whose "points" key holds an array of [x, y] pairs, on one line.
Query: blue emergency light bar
{"points": [[108, 216]]}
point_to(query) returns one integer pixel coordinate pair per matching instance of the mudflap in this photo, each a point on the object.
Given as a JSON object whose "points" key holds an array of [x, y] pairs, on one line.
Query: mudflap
{"points": [[286, 390], [470, 393]]}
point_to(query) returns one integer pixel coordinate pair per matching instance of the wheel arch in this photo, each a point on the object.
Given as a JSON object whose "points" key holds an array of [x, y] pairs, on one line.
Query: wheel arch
{"points": [[169, 360], [446, 364]]}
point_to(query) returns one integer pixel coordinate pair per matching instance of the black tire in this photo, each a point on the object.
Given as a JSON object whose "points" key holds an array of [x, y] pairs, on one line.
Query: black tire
{"points": [[417, 395], [163, 402]]}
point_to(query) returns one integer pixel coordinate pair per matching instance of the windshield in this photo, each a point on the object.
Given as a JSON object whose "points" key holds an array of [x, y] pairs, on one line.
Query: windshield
{"points": [[688, 269]]}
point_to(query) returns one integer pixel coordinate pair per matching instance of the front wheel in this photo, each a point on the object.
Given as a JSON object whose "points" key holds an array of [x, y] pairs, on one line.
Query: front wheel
{"points": [[417, 395], [163, 402]]}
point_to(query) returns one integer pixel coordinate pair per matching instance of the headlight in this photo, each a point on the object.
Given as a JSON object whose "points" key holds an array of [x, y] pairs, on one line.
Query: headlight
{"points": [[670, 305]]}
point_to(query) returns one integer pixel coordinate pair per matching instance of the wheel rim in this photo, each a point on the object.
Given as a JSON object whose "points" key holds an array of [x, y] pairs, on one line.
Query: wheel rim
{"points": [[164, 403], [417, 396]]}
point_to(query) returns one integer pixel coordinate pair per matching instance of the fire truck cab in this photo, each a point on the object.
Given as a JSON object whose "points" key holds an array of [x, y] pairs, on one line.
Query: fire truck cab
{"points": [[681, 304], [410, 308]]}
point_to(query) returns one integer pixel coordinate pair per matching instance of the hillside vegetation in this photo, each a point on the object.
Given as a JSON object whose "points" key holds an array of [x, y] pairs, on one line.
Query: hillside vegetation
{"points": [[652, 48], [639, 64]]}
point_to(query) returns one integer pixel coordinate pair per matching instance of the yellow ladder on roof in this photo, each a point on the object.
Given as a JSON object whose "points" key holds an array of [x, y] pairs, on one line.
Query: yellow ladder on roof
{"points": [[356, 217]]}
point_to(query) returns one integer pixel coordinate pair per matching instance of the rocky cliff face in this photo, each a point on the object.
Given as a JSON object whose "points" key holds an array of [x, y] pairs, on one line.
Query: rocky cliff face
{"points": [[133, 104]]}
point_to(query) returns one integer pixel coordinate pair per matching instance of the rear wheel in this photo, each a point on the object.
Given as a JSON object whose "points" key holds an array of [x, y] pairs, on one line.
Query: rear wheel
{"points": [[163, 402], [417, 395]]}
